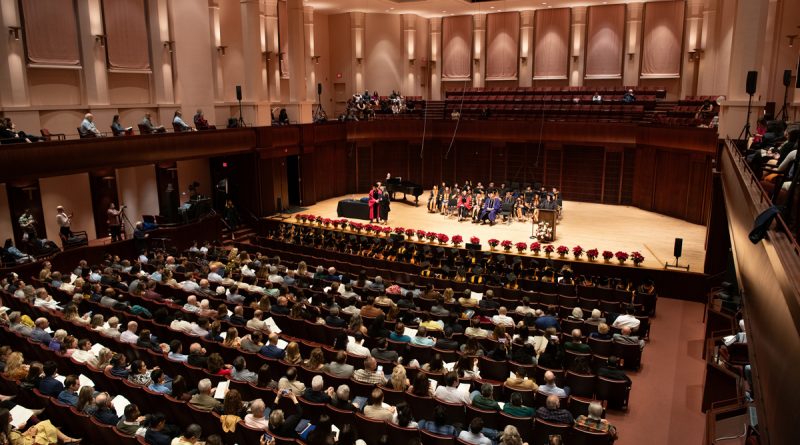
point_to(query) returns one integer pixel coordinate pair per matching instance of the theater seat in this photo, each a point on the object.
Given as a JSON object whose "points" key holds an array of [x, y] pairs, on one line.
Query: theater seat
{"points": [[580, 436], [429, 438], [542, 430]]}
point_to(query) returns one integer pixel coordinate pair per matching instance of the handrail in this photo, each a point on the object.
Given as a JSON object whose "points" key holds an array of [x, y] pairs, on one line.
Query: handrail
{"points": [[764, 199]]}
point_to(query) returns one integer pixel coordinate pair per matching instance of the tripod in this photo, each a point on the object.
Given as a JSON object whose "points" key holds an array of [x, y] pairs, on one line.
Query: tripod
{"points": [[745, 133], [124, 218], [319, 114], [783, 115], [241, 116]]}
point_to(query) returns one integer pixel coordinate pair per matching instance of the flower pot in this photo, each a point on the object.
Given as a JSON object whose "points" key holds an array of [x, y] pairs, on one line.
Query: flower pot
{"points": [[592, 259], [492, 248], [621, 261], [577, 257], [637, 263], [547, 254], [520, 251], [562, 255], [536, 252]]}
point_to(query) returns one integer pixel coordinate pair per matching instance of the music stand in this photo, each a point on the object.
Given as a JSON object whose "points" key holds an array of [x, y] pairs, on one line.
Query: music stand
{"points": [[745, 133]]}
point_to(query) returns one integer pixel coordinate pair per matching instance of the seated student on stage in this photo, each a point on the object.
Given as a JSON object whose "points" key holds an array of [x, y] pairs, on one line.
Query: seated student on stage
{"points": [[490, 208], [464, 205]]}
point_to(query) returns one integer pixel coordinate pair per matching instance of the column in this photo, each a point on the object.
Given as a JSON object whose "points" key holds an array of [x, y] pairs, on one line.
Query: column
{"points": [[95, 76], [216, 41], [296, 56], [526, 48], [479, 50], [692, 43], [750, 21], [255, 108], [161, 51], [706, 78], [633, 44], [273, 49], [436, 59], [577, 49], [311, 57], [13, 77], [410, 56], [189, 23], [357, 20]]}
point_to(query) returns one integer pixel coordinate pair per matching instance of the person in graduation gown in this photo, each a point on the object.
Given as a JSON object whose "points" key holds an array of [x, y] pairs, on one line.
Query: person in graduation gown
{"points": [[491, 206], [374, 204], [464, 205], [385, 203]]}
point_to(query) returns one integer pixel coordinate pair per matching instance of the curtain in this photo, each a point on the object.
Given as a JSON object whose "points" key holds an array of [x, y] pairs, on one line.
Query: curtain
{"points": [[663, 39], [127, 42], [551, 50], [51, 32], [283, 37], [457, 47], [502, 41], [604, 41]]}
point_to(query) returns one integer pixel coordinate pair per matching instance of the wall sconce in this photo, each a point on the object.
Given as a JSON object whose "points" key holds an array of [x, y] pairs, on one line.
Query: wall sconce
{"points": [[221, 50], [630, 55], [267, 55], [411, 61], [359, 60], [524, 59], [476, 61], [695, 54], [575, 58], [169, 45], [13, 31], [315, 59], [100, 39], [791, 38]]}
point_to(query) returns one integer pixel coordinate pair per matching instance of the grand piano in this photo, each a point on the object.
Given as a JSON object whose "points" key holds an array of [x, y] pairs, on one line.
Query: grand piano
{"points": [[400, 185]]}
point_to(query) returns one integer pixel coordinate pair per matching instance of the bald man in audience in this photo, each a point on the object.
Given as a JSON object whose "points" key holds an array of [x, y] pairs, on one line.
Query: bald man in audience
{"points": [[370, 374], [550, 387], [129, 336], [576, 344], [203, 400], [552, 412], [271, 349], [191, 304], [626, 337]]}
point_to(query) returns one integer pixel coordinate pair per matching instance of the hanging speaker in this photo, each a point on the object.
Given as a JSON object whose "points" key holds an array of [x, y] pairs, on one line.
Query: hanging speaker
{"points": [[238, 92], [787, 77], [678, 249], [319, 88], [752, 80]]}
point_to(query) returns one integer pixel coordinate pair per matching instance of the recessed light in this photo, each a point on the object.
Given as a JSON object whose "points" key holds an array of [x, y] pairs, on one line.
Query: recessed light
{"points": [[391, 9], [491, 7], [549, 6], [544, 3]]}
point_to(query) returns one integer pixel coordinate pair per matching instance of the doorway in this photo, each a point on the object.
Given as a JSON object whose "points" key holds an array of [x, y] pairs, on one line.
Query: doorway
{"points": [[293, 180]]}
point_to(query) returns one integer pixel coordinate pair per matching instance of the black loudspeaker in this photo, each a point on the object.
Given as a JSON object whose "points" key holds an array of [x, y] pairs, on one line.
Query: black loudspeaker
{"points": [[678, 249], [239, 91], [752, 80], [787, 77], [319, 88]]}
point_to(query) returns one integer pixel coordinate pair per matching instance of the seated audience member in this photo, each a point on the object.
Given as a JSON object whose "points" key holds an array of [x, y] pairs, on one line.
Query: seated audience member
{"points": [[502, 318], [422, 339], [612, 371], [356, 346], [39, 332], [317, 392], [551, 412], [547, 320], [105, 411], [251, 342], [627, 320], [158, 382], [602, 333], [516, 408], [176, 352], [290, 382], [399, 333], [117, 129], [447, 343], [474, 434], [129, 336], [625, 337], [49, 385], [521, 381], [149, 127], [241, 373], [485, 400], [178, 124], [381, 352], [191, 435], [339, 367], [88, 129], [131, 420], [203, 400], [594, 421], [200, 121], [376, 409], [449, 392], [475, 330], [550, 387], [370, 374], [629, 97], [157, 433], [279, 424], [576, 344], [255, 419], [341, 399], [438, 425], [70, 393], [333, 318], [271, 350]]}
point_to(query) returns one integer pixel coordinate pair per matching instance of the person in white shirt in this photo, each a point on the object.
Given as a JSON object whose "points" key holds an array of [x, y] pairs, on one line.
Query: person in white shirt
{"points": [[550, 387], [627, 320], [191, 304], [273, 276], [129, 336], [179, 124], [83, 353], [597, 98], [247, 272], [255, 419], [502, 319], [190, 286], [524, 308], [88, 128], [64, 222], [356, 347], [45, 300], [449, 392], [473, 435], [113, 328]]}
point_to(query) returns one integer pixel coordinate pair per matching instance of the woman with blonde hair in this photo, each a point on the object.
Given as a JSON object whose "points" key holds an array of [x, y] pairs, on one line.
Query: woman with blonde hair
{"points": [[399, 381], [357, 325], [448, 296], [510, 436], [316, 361], [16, 369], [293, 354], [232, 339]]}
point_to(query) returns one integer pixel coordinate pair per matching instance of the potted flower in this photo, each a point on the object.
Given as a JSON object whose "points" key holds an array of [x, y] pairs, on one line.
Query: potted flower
{"points": [[457, 240], [637, 258], [357, 226], [298, 216], [536, 247], [319, 220], [343, 222], [493, 243], [506, 245], [562, 251], [607, 255], [409, 233], [475, 240], [443, 239], [592, 254], [621, 257], [327, 222], [548, 249], [521, 246], [302, 218], [421, 235], [431, 236], [399, 230], [386, 230], [577, 252]]}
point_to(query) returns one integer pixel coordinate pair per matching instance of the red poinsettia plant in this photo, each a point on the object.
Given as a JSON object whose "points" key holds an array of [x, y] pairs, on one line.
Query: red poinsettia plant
{"points": [[475, 240], [521, 246], [457, 239], [443, 239], [536, 247], [326, 221], [562, 250], [399, 230], [357, 226], [386, 230], [637, 258], [409, 232], [493, 242], [592, 254], [549, 248], [318, 219], [577, 251], [421, 234], [506, 244], [607, 255], [621, 256], [431, 236]]}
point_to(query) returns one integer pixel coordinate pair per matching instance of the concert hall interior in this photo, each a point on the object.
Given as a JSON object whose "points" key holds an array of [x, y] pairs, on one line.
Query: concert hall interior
{"points": [[399, 221]]}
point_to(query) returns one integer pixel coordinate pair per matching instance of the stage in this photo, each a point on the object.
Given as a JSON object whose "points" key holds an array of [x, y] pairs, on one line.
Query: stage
{"points": [[604, 227]]}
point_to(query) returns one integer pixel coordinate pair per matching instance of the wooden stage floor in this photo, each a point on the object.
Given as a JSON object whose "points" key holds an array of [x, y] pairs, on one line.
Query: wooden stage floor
{"points": [[604, 227]]}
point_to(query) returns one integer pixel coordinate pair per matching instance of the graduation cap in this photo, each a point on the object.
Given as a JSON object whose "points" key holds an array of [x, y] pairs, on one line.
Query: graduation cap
{"points": [[511, 277], [353, 238], [447, 271], [477, 270], [440, 251], [517, 260], [364, 239]]}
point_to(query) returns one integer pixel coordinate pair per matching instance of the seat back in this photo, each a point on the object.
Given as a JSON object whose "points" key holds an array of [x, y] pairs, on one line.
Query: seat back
{"points": [[421, 407], [429, 438], [493, 369], [579, 436], [600, 347], [542, 430], [630, 354], [143, 129], [368, 429], [614, 392], [399, 435], [580, 384], [490, 418]]}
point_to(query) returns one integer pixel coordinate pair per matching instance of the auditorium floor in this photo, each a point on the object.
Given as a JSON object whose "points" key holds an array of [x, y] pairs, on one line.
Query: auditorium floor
{"points": [[667, 392], [605, 227]]}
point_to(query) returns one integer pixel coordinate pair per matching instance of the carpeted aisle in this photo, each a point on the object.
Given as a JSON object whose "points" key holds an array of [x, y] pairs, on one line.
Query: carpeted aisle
{"points": [[665, 400]]}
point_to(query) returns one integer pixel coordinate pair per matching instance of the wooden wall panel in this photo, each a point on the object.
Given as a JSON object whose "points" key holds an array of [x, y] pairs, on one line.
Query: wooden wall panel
{"points": [[644, 173], [628, 175], [552, 169], [499, 163], [612, 178], [582, 173], [431, 163], [672, 182], [364, 165], [473, 161]]}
